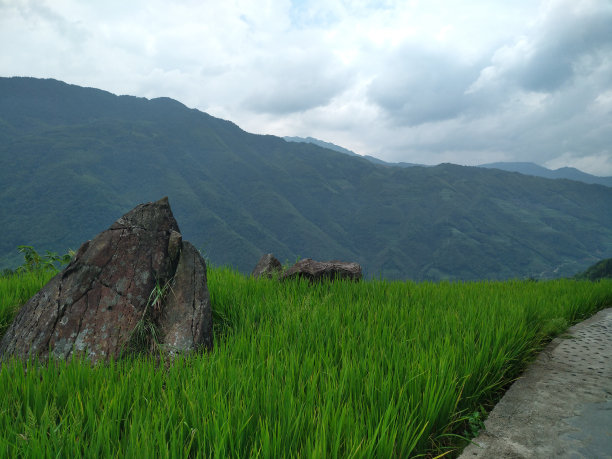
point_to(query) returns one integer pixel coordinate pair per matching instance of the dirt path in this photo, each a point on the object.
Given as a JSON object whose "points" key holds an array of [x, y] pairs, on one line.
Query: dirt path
{"points": [[562, 406]]}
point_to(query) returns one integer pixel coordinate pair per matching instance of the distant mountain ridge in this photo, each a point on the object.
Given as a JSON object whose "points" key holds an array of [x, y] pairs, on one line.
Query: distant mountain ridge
{"points": [[333, 146], [73, 159], [321, 143], [525, 168], [569, 173]]}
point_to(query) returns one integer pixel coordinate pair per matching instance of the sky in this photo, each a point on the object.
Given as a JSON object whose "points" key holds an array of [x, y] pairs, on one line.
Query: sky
{"points": [[431, 81]]}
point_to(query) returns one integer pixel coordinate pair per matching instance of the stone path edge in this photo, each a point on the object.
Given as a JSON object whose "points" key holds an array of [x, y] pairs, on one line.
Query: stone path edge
{"points": [[561, 407]]}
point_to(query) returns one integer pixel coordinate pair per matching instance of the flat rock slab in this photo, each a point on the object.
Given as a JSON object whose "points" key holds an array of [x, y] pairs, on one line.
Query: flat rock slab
{"points": [[562, 406], [323, 270]]}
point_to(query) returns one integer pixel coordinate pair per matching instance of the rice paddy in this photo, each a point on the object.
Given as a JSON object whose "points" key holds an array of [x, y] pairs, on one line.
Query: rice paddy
{"points": [[344, 369]]}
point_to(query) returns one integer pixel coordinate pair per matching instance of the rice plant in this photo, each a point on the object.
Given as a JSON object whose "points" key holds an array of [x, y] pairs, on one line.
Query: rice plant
{"points": [[343, 369], [16, 289]]}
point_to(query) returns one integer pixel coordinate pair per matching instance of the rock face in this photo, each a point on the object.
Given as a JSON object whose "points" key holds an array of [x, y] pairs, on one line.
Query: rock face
{"points": [[136, 277], [326, 270], [267, 266], [187, 319]]}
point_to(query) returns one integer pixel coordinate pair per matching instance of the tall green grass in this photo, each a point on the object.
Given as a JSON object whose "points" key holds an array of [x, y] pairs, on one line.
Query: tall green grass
{"points": [[369, 369], [16, 289]]}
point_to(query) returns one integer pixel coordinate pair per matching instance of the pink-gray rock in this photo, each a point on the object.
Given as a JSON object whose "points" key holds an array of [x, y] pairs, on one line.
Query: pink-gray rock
{"points": [[323, 270], [94, 305], [267, 266]]}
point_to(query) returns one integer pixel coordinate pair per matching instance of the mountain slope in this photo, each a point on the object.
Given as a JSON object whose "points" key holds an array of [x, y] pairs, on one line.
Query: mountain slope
{"points": [[73, 159]]}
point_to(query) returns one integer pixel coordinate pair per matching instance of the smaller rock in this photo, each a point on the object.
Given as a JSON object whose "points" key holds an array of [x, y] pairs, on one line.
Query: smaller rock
{"points": [[324, 270], [267, 266]]}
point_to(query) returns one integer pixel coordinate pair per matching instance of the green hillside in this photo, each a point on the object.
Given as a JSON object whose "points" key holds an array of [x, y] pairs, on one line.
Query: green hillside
{"points": [[600, 270], [72, 160]]}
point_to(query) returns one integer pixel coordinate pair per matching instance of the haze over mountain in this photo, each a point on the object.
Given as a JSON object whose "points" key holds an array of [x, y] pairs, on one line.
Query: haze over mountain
{"points": [[73, 159]]}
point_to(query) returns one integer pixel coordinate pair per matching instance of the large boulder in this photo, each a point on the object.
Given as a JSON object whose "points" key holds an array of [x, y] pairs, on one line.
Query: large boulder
{"points": [[267, 266], [323, 270], [137, 283]]}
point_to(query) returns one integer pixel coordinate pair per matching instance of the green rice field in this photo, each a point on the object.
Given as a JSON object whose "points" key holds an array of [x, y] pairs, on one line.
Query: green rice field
{"points": [[344, 369]]}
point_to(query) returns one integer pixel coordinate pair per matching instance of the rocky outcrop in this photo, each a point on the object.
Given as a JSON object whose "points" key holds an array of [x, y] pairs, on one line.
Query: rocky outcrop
{"points": [[326, 270], [138, 281], [267, 266]]}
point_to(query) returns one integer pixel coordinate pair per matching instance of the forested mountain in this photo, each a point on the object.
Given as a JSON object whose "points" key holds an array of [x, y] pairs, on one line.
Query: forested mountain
{"points": [[72, 160]]}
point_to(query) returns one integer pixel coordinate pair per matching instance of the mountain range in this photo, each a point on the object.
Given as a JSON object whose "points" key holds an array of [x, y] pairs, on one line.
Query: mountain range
{"points": [[73, 159], [525, 168]]}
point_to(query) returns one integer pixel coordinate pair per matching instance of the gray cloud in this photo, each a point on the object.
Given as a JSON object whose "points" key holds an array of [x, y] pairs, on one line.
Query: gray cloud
{"points": [[417, 86], [73, 31], [566, 44], [573, 39], [295, 83], [544, 96]]}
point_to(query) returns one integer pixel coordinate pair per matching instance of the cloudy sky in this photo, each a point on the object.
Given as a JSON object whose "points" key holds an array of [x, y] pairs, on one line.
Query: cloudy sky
{"points": [[430, 81]]}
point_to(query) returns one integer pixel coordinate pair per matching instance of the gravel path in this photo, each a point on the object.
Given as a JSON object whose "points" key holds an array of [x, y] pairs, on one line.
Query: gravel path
{"points": [[562, 406]]}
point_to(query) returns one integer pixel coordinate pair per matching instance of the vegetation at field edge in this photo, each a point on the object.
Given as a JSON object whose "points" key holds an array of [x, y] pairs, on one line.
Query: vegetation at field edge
{"points": [[600, 270], [368, 369]]}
